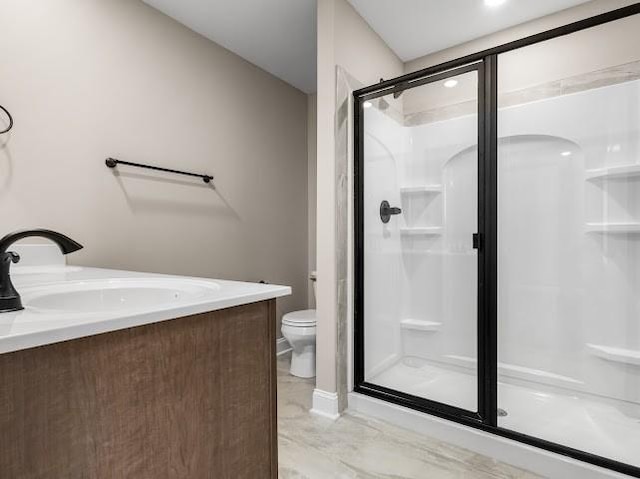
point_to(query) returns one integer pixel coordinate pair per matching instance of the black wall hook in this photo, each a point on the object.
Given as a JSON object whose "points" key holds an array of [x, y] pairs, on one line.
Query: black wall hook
{"points": [[10, 120]]}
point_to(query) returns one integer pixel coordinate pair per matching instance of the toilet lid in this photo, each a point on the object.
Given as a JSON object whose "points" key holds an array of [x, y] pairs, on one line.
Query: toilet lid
{"points": [[300, 318]]}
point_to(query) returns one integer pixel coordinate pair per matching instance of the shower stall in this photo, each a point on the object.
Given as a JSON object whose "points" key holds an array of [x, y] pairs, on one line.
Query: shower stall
{"points": [[497, 240]]}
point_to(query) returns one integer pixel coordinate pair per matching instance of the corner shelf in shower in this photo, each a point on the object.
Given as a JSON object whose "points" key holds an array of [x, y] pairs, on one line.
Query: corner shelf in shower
{"points": [[421, 189], [613, 228], [617, 355], [422, 231], [420, 325], [613, 172]]}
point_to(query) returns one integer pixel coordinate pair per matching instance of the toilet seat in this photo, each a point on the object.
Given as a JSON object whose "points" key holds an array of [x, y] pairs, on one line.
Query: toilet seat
{"points": [[300, 319]]}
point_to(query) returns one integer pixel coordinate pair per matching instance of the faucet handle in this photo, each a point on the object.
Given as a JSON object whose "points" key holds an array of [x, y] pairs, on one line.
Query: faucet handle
{"points": [[9, 297], [11, 256]]}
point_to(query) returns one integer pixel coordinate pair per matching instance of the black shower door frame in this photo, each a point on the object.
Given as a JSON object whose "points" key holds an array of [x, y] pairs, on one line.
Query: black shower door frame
{"points": [[484, 394], [486, 64]]}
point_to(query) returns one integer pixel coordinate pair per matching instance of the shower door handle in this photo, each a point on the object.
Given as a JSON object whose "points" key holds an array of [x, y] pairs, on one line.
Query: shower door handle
{"points": [[477, 241], [386, 211]]}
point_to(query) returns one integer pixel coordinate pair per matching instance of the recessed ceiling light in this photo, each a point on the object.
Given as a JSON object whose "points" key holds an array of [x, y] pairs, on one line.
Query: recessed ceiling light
{"points": [[494, 3], [367, 104], [566, 153], [450, 83]]}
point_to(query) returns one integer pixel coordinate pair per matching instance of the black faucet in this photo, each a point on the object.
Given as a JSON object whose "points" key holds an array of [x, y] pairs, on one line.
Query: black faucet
{"points": [[9, 297]]}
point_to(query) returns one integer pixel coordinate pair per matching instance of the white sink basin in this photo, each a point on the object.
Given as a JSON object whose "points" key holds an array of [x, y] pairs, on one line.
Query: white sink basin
{"points": [[116, 295]]}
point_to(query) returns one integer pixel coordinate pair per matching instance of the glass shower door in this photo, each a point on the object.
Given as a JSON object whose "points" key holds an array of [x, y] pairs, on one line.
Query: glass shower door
{"points": [[418, 313]]}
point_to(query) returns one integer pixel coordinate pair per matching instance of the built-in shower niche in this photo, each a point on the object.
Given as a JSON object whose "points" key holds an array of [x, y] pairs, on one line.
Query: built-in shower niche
{"points": [[422, 207]]}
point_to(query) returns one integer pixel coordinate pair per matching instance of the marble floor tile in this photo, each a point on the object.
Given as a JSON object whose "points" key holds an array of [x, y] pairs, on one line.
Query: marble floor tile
{"points": [[358, 447]]}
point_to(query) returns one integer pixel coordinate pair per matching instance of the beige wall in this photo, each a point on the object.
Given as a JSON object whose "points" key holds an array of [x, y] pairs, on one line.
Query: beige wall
{"points": [[312, 189], [591, 50], [87, 79], [541, 63], [569, 56], [344, 39], [359, 50], [548, 22]]}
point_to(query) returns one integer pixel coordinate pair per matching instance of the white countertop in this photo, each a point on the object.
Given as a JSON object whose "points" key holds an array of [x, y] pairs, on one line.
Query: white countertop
{"points": [[36, 326]]}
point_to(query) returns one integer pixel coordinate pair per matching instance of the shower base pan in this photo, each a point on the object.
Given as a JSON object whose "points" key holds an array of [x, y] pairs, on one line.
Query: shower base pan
{"points": [[554, 414]]}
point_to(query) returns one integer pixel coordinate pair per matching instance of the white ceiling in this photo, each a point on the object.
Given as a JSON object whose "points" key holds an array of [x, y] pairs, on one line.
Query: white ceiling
{"points": [[279, 36], [413, 28]]}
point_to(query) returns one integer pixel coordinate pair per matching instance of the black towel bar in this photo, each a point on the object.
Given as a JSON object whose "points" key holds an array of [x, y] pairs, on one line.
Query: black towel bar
{"points": [[112, 163]]}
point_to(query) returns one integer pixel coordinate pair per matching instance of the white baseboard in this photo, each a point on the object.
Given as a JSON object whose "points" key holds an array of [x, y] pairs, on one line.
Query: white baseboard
{"points": [[282, 347], [325, 404], [533, 459]]}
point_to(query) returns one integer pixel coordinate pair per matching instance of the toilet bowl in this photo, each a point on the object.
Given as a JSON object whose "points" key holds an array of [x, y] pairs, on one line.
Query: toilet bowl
{"points": [[299, 329]]}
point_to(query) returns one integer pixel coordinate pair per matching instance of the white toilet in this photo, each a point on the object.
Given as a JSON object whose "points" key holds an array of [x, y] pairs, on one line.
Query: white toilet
{"points": [[299, 329]]}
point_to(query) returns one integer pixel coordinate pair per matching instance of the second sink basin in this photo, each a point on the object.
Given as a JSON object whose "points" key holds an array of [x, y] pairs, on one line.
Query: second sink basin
{"points": [[116, 295]]}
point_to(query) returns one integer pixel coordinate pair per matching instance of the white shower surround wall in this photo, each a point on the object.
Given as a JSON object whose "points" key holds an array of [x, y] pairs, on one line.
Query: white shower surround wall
{"points": [[568, 305]]}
